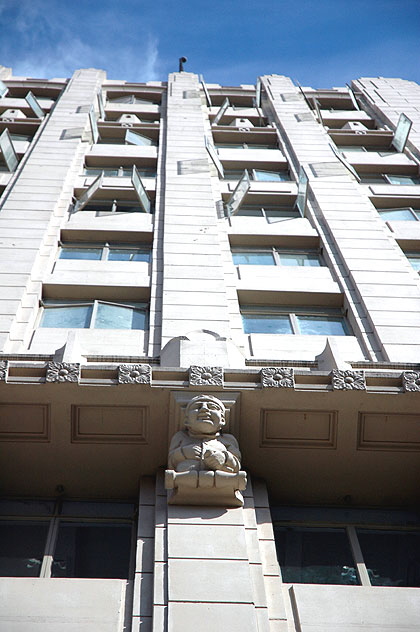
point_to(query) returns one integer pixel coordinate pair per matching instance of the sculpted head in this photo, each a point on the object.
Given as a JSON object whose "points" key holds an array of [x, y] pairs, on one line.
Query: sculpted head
{"points": [[205, 414]]}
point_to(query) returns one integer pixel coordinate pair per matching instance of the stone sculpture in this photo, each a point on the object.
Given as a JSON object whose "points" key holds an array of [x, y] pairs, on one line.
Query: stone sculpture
{"points": [[203, 463]]}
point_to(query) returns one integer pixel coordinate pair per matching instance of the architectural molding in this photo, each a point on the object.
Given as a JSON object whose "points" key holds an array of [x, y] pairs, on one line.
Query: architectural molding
{"points": [[277, 377], [4, 368], [411, 381], [206, 376], [134, 374], [62, 372], [348, 380]]}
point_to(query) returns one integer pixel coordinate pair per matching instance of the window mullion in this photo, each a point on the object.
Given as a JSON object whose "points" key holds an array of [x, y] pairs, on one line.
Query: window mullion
{"points": [[294, 323], [358, 556], [276, 255], [93, 316], [105, 252]]}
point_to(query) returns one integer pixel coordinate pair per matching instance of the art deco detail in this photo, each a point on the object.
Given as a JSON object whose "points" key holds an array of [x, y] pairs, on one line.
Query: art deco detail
{"points": [[411, 380], [204, 463], [348, 380], [3, 370], [278, 377], [62, 372], [134, 374], [206, 376]]}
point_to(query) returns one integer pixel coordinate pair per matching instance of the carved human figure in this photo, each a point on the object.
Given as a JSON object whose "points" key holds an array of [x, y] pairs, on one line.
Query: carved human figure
{"points": [[201, 445]]}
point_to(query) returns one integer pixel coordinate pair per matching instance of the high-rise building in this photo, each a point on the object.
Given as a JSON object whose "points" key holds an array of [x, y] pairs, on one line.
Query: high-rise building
{"points": [[258, 244]]}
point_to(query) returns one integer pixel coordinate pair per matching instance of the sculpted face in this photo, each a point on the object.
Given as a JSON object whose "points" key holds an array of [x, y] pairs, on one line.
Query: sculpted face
{"points": [[205, 415]]}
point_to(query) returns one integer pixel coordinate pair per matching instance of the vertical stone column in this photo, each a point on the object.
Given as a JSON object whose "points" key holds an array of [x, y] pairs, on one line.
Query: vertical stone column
{"points": [[375, 277], [194, 295], [31, 211]]}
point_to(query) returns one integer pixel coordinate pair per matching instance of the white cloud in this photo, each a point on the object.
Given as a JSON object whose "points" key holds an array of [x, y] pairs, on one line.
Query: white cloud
{"points": [[54, 41]]}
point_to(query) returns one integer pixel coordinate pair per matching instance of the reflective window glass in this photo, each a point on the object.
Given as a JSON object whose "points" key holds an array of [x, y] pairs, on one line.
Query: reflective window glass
{"points": [[315, 556], [270, 176], [80, 253], [70, 316], [253, 258], [299, 259], [90, 550], [392, 558], [415, 262], [401, 214], [126, 254], [22, 548], [321, 325], [396, 179], [119, 317], [267, 324]]}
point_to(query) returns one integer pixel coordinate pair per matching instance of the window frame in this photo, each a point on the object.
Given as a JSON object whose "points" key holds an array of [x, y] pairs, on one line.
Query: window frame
{"points": [[276, 251], [56, 516], [341, 520], [106, 247], [412, 210], [47, 304], [385, 177], [293, 313]]}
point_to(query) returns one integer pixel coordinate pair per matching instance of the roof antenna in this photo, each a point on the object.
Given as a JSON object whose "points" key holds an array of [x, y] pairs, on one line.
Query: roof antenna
{"points": [[182, 61]]}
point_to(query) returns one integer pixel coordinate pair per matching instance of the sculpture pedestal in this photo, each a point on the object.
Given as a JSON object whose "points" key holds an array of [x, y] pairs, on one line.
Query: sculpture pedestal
{"points": [[215, 488]]}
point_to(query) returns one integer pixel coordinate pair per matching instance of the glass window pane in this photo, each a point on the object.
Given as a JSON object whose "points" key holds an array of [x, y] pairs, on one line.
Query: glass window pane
{"points": [[266, 324], [321, 325], [366, 178], [274, 215], [299, 259], [253, 258], [395, 179], [119, 317], [97, 509], [126, 254], [81, 253], [315, 556], [249, 212], [18, 507], [22, 548], [400, 214], [92, 550], [391, 557], [74, 317], [271, 176], [415, 262]]}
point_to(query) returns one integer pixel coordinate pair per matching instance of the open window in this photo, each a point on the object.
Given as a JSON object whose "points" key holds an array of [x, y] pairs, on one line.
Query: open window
{"points": [[34, 105], [86, 201], [8, 156]]}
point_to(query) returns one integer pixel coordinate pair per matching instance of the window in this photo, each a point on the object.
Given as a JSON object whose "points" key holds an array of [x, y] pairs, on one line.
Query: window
{"points": [[414, 259], [121, 172], [384, 178], [405, 214], [270, 213], [382, 151], [258, 175], [93, 314], [244, 146], [299, 321], [275, 256], [105, 252], [47, 538], [130, 98], [386, 544], [106, 207]]}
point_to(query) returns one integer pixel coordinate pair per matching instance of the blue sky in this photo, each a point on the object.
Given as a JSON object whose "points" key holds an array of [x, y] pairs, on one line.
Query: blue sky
{"points": [[322, 43]]}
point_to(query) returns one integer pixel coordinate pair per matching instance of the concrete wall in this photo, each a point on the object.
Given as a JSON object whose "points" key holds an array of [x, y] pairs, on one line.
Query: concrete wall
{"points": [[67, 605]]}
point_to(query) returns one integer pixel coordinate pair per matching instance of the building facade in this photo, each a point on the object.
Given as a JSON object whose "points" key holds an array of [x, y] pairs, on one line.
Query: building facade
{"points": [[259, 244]]}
